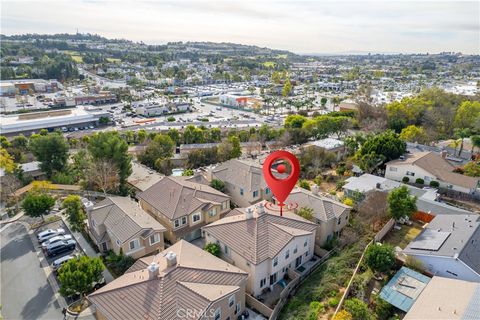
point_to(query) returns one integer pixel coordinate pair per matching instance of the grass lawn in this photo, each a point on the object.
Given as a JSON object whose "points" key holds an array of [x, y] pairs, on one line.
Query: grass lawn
{"points": [[403, 237], [114, 60], [269, 64], [77, 59]]}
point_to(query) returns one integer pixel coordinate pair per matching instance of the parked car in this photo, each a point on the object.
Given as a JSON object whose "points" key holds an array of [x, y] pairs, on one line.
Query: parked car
{"points": [[56, 239], [49, 233], [60, 247], [60, 261]]}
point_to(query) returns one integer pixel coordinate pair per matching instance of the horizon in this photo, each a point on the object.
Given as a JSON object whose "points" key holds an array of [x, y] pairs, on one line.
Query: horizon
{"points": [[326, 28]]}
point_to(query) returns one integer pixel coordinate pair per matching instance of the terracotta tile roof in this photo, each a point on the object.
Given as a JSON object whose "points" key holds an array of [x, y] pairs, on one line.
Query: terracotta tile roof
{"points": [[260, 237], [176, 197], [194, 282], [438, 167], [123, 218]]}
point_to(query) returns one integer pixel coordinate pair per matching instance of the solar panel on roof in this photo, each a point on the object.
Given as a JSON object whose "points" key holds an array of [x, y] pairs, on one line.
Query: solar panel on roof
{"points": [[430, 240]]}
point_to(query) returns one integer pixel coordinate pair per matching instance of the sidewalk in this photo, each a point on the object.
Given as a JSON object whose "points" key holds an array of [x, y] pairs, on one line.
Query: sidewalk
{"points": [[13, 219], [87, 249]]}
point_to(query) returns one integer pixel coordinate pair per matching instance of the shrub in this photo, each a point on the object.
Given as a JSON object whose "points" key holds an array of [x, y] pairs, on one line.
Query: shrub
{"points": [[348, 202], [333, 302], [171, 119], [314, 310], [118, 263], [419, 181], [217, 184], [434, 184], [212, 248], [358, 309], [383, 309], [343, 315], [304, 184], [380, 257], [187, 172], [405, 179], [340, 184]]}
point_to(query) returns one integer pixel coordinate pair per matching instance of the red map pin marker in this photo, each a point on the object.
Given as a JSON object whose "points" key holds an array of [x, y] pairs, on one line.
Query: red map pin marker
{"points": [[281, 187]]}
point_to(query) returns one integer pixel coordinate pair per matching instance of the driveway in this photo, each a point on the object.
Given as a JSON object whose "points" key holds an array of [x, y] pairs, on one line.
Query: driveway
{"points": [[25, 292]]}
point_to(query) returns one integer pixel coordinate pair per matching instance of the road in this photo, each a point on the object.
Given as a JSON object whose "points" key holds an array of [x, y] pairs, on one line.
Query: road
{"points": [[25, 292]]}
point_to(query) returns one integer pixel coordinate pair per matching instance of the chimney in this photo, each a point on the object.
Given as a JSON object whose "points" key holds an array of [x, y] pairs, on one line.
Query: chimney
{"points": [[153, 271], [444, 154], [171, 259], [315, 189], [249, 213], [260, 209]]}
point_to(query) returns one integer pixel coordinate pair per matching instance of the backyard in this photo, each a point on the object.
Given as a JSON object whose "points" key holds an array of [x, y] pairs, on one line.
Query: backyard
{"points": [[402, 237]]}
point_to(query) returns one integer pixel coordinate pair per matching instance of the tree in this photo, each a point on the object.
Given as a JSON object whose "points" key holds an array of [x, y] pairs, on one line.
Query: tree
{"points": [[6, 161], [468, 115], [218, 185], [161, 147], [387, 144], [401, 203], [52, 152], [78, 276], [406, 112], [413, 133], [383, 309], [212, 248], [462, 134], [287, 88], [472, 169], [475, 139], [37, 203], [110, 147], [187, 173], [304, 184], [74, 212], [380, 257], [104, 175], [358, 309], [294, 121], [306, 213], [236, 149]]}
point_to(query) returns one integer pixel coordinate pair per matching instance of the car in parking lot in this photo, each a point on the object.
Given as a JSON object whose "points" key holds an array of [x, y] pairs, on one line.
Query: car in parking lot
{"points": [[49, 233], [60, 247], [60, 261], [50, 241]]}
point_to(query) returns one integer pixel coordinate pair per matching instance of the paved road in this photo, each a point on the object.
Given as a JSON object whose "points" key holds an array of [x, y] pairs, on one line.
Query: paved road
{"points": [[25, 292]]}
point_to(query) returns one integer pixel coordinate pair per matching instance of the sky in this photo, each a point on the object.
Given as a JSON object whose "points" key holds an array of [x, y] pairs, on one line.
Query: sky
{"points": [[322, 26]]}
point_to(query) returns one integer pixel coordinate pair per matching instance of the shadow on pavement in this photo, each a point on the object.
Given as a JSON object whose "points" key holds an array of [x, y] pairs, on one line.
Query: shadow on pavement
{"points": [[39, 304]]}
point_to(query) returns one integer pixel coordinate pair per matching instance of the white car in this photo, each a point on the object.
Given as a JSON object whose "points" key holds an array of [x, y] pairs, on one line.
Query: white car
{"points": [[49, 233], [58, 263], [56, 239]]}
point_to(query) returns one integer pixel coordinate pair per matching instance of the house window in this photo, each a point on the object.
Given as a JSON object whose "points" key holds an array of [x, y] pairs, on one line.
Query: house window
{"points": [[184, 220], [393, 169], [275, 261], [306, 254], [273, 279], [409, 173], [237, 308], [263, 282], [225, 249], [196, 217], [305, 243], [118, 242], [339, 220], [287, 254], [212, 212], [218, 314], [255, 194], [134, 244], [267, 190], [295, 250], [231, 301], [154, 238], [224, 205], [241, 191], [177, 223]]}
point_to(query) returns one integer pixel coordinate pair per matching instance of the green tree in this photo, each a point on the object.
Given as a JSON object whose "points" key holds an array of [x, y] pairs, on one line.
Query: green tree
{"points": [[6, 161], [387, 144], [37, 203], [74, 212], [406, 112], [401, 203], [236, 149], [187, 173], [212, 248], [380, 257], [472, 169], [218, 185], [304, 184], [462, 134], [468, 115], [412, 133], [358, 309], [475, 140], [287, 88], [383, 309], [161, 147], [78, 276], [294, 121], [52, 152], [306, 213]]}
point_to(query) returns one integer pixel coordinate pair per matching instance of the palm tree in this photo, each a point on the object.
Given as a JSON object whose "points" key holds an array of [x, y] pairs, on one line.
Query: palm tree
{"points": [[462, 134]]}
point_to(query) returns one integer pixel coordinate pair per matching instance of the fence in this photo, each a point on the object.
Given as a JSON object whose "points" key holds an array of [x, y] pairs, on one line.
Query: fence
{"points": [[383, 232]]}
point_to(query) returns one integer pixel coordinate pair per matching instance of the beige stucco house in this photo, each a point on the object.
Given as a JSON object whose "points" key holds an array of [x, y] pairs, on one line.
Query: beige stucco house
{"points": [[121, 225]]}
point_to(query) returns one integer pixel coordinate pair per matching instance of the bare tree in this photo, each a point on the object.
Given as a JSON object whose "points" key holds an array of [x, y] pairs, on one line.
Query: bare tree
{"points": [[373, 210], [104, 175], [8, 185]]}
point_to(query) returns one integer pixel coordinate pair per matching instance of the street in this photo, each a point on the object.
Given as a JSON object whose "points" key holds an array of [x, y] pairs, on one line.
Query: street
{"points": [[25, 291]]}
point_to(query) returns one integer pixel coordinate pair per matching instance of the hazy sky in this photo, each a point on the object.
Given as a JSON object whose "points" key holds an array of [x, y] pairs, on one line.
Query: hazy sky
{"points": [[301, 26]]}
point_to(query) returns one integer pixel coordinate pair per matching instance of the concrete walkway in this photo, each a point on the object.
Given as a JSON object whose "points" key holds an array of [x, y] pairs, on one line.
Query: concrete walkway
{"points": [[13, 219]]}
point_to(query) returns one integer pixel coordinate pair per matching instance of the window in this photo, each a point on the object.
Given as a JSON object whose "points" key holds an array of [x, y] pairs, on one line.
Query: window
{"points": [[218, 314], [134, 244], [212, 212], [241, 191], [305, 243], [273, 279], [275, 261], [118, 242], [393, 169], [225, 249], [263, 282], [452, 273], [176, 223], [287, 254], [295, 250], [339, 220], [196, 217], [184, 220], [409, 173], [154, 238], [237, 308], [224, 205], [267, 190], [306, 254], [231, 301], [255, 193]]}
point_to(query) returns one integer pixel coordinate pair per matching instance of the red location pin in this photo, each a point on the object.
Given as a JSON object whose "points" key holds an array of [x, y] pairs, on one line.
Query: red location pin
{"points": [[281, 187]]}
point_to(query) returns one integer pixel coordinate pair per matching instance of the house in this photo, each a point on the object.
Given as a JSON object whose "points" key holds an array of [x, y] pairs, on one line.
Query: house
{"points": [[142, 177], [404, 288], [182, 282], [330, 215], [348, 105], [119, 224], [430, 166], [243, 181], [29, 169], [263, 243], [329, 144], [183, 207], [449, 247], [445, 298]]}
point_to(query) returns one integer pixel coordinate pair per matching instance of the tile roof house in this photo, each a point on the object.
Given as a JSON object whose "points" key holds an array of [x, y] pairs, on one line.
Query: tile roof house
{"points": [[445, 298], [119, 223], [183, 207], [182, 282], [243, 180], [330, 215], [263, 243], [143, 177], [430, 166], [449, 246]]}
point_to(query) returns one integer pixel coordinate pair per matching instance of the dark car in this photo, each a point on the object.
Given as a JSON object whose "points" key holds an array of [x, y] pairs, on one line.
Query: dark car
{"points": [[60, 247]]}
